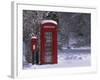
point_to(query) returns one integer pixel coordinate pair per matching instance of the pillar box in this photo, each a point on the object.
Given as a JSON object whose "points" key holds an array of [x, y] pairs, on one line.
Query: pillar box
{"points": [[34, 42]]}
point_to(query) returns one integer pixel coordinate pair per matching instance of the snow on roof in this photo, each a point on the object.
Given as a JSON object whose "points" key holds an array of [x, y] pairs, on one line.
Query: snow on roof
{"points": [[34, 37], [49, 21]]}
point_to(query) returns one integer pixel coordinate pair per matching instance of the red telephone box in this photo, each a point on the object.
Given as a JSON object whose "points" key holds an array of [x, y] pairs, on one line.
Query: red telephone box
{"points": [[48, 51]]}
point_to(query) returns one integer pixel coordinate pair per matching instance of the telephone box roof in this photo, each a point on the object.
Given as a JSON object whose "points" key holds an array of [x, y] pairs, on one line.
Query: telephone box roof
{"points": [[49, 21]]}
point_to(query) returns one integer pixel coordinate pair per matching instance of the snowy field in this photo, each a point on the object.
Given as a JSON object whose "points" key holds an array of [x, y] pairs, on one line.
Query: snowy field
{"points": [[67, 58]]}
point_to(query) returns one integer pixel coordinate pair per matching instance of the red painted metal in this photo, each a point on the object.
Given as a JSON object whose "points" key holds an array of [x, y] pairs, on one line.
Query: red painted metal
{"points": [[34, 43], [48, 27]]}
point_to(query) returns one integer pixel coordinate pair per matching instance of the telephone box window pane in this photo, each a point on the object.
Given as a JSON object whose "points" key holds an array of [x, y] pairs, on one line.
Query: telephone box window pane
{"points": [[48, 47]]}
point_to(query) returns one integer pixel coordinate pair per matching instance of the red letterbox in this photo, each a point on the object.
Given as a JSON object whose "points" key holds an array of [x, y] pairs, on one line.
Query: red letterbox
{"points": [[48, 51], [34, 42]]}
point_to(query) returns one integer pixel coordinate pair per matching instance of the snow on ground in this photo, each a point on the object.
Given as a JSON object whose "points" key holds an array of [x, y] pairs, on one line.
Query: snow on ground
{"points": [[79, 48], [74, 59], [67, 58]]}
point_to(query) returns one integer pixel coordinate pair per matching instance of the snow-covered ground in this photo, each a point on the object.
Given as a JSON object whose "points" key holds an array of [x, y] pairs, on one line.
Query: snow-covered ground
{"points": [[68, 58], [75, 58], [79, 48]]}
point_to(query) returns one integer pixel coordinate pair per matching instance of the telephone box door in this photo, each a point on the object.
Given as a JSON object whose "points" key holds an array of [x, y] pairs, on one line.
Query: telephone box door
{"points": [[48, 46]]}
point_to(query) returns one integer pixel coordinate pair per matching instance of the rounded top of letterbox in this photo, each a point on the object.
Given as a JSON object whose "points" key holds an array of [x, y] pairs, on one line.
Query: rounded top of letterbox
{"points": [[49, 21], [34, 37]]}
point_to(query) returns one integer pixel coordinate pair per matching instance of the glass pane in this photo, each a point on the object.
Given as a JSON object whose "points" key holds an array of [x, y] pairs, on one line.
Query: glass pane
{"points": [[48, 47]]}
